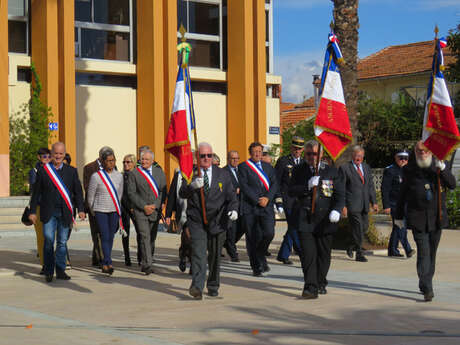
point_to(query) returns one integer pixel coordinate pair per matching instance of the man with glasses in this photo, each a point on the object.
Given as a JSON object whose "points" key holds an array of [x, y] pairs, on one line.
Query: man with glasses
{"points": [[391, 183], [418, 204], [284, 167], [207, 238]]}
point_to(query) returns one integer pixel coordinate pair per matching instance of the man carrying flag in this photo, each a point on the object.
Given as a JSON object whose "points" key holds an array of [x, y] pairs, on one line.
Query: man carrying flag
{"points": [[422, 198]]}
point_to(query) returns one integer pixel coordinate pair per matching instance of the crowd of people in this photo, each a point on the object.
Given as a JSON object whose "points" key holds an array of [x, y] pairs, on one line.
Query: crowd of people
{"points": [[219, 205]]}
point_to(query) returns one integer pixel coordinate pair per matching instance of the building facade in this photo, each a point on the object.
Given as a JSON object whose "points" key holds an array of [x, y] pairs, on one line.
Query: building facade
{"points": [[108, 69]]}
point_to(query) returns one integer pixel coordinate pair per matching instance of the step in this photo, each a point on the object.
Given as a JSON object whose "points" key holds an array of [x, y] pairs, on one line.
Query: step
{"points": [[11, 211], [10, 219], [19, 226], [14, 202]]}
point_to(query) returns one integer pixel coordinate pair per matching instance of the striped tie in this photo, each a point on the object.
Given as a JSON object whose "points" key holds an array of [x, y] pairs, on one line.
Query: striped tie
{"points": [[206, 181]]}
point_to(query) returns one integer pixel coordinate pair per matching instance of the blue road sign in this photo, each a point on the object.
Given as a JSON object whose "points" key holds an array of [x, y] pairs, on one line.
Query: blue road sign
{"points": [[53, 126]]}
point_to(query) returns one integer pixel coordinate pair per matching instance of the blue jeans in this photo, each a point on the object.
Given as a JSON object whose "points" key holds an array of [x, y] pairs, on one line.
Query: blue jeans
{"points": [[291, 238], [55, 225], [108, 225], [398, 235]]}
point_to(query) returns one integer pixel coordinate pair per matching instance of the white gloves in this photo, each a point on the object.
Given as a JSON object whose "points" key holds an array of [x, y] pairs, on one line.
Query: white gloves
{"points": [[197, 183], [280, 210], [399, 223], [232, 215], [313, 182], [334, 216], [440, 164], [123, 232]]}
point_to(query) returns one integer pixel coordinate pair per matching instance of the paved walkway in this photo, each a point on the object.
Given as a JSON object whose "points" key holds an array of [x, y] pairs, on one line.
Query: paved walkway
{"points": [[367, 303]]}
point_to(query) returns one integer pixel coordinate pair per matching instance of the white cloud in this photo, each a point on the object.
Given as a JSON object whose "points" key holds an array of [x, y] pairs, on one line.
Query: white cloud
{"points": [[297, 72]]}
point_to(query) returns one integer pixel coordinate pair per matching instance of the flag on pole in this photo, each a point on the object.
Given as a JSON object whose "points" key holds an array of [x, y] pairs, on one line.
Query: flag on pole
{"points": [[332, 126], [440, 131], [182, 124]]}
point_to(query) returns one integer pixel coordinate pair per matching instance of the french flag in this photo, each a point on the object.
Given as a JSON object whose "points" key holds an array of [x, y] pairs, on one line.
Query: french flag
{"points": [[332, 126], [182, 124], [440, 132]]}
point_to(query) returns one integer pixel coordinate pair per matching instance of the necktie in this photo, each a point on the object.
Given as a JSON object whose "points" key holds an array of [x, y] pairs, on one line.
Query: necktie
{"points": [[360, 173], [206, 181]]}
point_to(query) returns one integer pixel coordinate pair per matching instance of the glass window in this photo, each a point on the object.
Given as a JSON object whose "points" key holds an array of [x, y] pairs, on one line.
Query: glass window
{"points": [[17, 8], [269, 35], [205, 53], [17, 37], [107, 45], [83, 10], [203, 18], [112, 12]]}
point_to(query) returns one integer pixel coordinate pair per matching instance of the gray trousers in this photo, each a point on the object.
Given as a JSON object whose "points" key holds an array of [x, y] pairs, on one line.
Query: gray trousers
{"points": [[202, 241], [147, 230], [359, 223]]}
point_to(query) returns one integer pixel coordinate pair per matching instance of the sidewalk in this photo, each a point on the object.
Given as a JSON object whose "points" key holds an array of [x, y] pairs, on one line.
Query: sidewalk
{"points": [[367, 303]]}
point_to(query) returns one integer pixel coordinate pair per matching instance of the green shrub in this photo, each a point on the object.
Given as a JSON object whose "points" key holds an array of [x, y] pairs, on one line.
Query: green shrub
{"points": [[453, 208]]}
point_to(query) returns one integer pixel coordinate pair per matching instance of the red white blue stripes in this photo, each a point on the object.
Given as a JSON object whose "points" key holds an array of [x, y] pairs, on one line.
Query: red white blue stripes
{"points": [[260, 173], [60, 186], [112, 192], [150, 180]]}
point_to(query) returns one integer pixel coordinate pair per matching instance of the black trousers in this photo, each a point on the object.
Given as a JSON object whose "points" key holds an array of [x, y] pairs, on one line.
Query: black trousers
{"points": [[260, 231], [185, 249], [427, 245], [234, 234], [202, 242], [126, 216], [97, 255], [316, 259], [153, 236], [359, 222]]}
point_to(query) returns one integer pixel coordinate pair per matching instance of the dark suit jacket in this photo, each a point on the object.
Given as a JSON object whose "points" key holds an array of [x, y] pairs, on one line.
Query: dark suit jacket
{"points": [[46, 193], [284, 169], [358, 195], [172, 203], [220, 199], [330, 196], [251, 190], [88, 171], [140, 193], [391, 185], [422, 214]]}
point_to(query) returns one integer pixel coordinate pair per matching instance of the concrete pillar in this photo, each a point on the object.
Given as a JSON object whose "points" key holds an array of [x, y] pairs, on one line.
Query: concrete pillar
{"points": [[4, 112]]}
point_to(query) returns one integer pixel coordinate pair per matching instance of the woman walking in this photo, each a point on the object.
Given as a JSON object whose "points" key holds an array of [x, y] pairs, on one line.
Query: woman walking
{"points": [[104, 194], [129, 163]]}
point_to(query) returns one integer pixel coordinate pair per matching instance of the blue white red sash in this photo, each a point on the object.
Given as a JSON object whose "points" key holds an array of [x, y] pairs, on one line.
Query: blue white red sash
{"points": [[59, 184], [112, 192], [260, 173], [150, 180]]}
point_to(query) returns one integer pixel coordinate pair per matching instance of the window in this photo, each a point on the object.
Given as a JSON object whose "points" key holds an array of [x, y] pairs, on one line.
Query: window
{"points": [[104, 29], [18, 26], [269, 34], [203, 20]]}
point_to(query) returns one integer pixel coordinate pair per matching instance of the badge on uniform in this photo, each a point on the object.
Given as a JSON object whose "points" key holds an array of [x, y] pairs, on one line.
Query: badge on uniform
{"points": [[327, 186], [428, 192], [289, 166], [220, 186]]}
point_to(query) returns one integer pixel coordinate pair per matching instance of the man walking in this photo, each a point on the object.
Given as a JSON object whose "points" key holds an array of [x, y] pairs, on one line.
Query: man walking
{"points": [[221, 207], [56, 188], [418, 202], [360, 192], [146, 186]]}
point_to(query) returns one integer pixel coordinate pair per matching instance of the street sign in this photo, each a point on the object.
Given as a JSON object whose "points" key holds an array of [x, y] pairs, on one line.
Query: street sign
{"points": [[273, 130], [53, 126]]}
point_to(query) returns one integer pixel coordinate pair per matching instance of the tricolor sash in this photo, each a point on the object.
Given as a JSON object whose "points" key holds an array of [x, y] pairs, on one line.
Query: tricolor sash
{"points": [[260, 173], [59, 184], [112, 192], [150, 180]]}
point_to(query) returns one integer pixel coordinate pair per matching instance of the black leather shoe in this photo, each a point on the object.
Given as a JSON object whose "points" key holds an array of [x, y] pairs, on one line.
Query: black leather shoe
{"points": [[49, 278], [396, 255], [128, 262], [268, 253], [307, 294], [322, 290], [213, 293], [62, 275], [285, 261], [106, 270], [411, 253], [195, 293], [428, 296], [96, 264], [235, 259], [147, 270], [257, 273], [361, 258], [266, 269], [182, 266], [42, 272], [350, 252]]}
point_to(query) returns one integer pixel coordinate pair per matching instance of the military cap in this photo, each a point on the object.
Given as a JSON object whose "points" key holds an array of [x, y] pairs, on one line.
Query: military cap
{"points": [[297, 142]]}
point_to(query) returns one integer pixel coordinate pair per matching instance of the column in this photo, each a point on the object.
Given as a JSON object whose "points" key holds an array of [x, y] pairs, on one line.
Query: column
{"points": [[4, 111]]}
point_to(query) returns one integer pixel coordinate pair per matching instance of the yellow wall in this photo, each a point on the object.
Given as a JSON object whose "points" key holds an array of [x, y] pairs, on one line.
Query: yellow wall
{"points": [[273, 119], [106, 116], [4, 127], [385, 88]]}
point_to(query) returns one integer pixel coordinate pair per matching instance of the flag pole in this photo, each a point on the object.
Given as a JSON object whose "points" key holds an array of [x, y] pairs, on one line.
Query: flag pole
{"points": [[184, 50]]}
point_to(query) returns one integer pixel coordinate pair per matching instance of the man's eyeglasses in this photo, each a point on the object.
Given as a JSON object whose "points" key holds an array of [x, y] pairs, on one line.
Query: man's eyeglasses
{"points": [[45, 156], [126, 162], [204, 155], [311, 153]]}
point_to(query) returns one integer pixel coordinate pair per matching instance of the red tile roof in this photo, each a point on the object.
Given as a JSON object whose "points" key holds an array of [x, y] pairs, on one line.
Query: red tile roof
{"points": [[294, 113], [400, 60]]}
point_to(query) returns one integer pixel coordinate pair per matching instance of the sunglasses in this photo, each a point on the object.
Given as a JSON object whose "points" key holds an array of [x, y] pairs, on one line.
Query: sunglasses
{"points": [[204, 155], [403, 158], [311, 153], [127, 162], [45, 156]]}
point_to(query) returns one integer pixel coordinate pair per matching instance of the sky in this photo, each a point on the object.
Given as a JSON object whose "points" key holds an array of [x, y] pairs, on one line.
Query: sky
{"points": [[300, 29]]}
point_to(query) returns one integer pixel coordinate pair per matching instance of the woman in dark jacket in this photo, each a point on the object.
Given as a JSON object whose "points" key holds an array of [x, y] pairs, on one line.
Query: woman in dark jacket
{"points": [[129, 163]]}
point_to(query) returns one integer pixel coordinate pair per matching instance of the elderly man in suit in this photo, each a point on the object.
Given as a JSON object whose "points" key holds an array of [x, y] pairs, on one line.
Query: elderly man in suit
{"points": [[360, 192], [57, 186], [258, 187], [221, 207], [235, 230], [418, 204], [316, 226], [145, 187]]}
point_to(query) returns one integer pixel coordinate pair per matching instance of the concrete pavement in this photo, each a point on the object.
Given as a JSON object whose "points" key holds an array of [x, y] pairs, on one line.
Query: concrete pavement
{"points": [[367, 303]]}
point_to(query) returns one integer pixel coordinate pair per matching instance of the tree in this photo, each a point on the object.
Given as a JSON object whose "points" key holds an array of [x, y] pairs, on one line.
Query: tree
{"points": [[453, 69], [346, 25]]}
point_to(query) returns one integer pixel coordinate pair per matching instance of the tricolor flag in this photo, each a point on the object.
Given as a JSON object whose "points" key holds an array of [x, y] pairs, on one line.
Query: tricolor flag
{"points": [[332, 127], [440, 131], [182, 123]]}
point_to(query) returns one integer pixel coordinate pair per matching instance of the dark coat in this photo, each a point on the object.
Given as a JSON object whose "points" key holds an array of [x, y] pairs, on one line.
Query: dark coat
{"points": [[330, 196], [391, 185], [172, 203], [252, 190], [284, 168], [236, 184], [422, 214], [220, 200], [47, 195], [358, 195], [88, 171]]}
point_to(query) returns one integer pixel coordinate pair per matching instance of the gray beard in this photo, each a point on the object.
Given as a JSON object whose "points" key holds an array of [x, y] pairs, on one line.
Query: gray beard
{"points": [[424, 163]]}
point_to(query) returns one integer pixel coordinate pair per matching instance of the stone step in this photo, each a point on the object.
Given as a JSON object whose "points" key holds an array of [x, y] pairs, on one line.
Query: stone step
{"points": [[14, 202], [18, 226], [10, 219], [11, 211]]}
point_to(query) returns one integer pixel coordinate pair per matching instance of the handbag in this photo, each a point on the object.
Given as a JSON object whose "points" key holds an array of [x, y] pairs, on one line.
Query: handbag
{"points": [[25, 217]]}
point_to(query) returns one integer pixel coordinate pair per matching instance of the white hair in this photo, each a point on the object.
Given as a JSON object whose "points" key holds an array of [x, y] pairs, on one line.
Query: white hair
{"points": [[204, 144], [149, 152]]}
